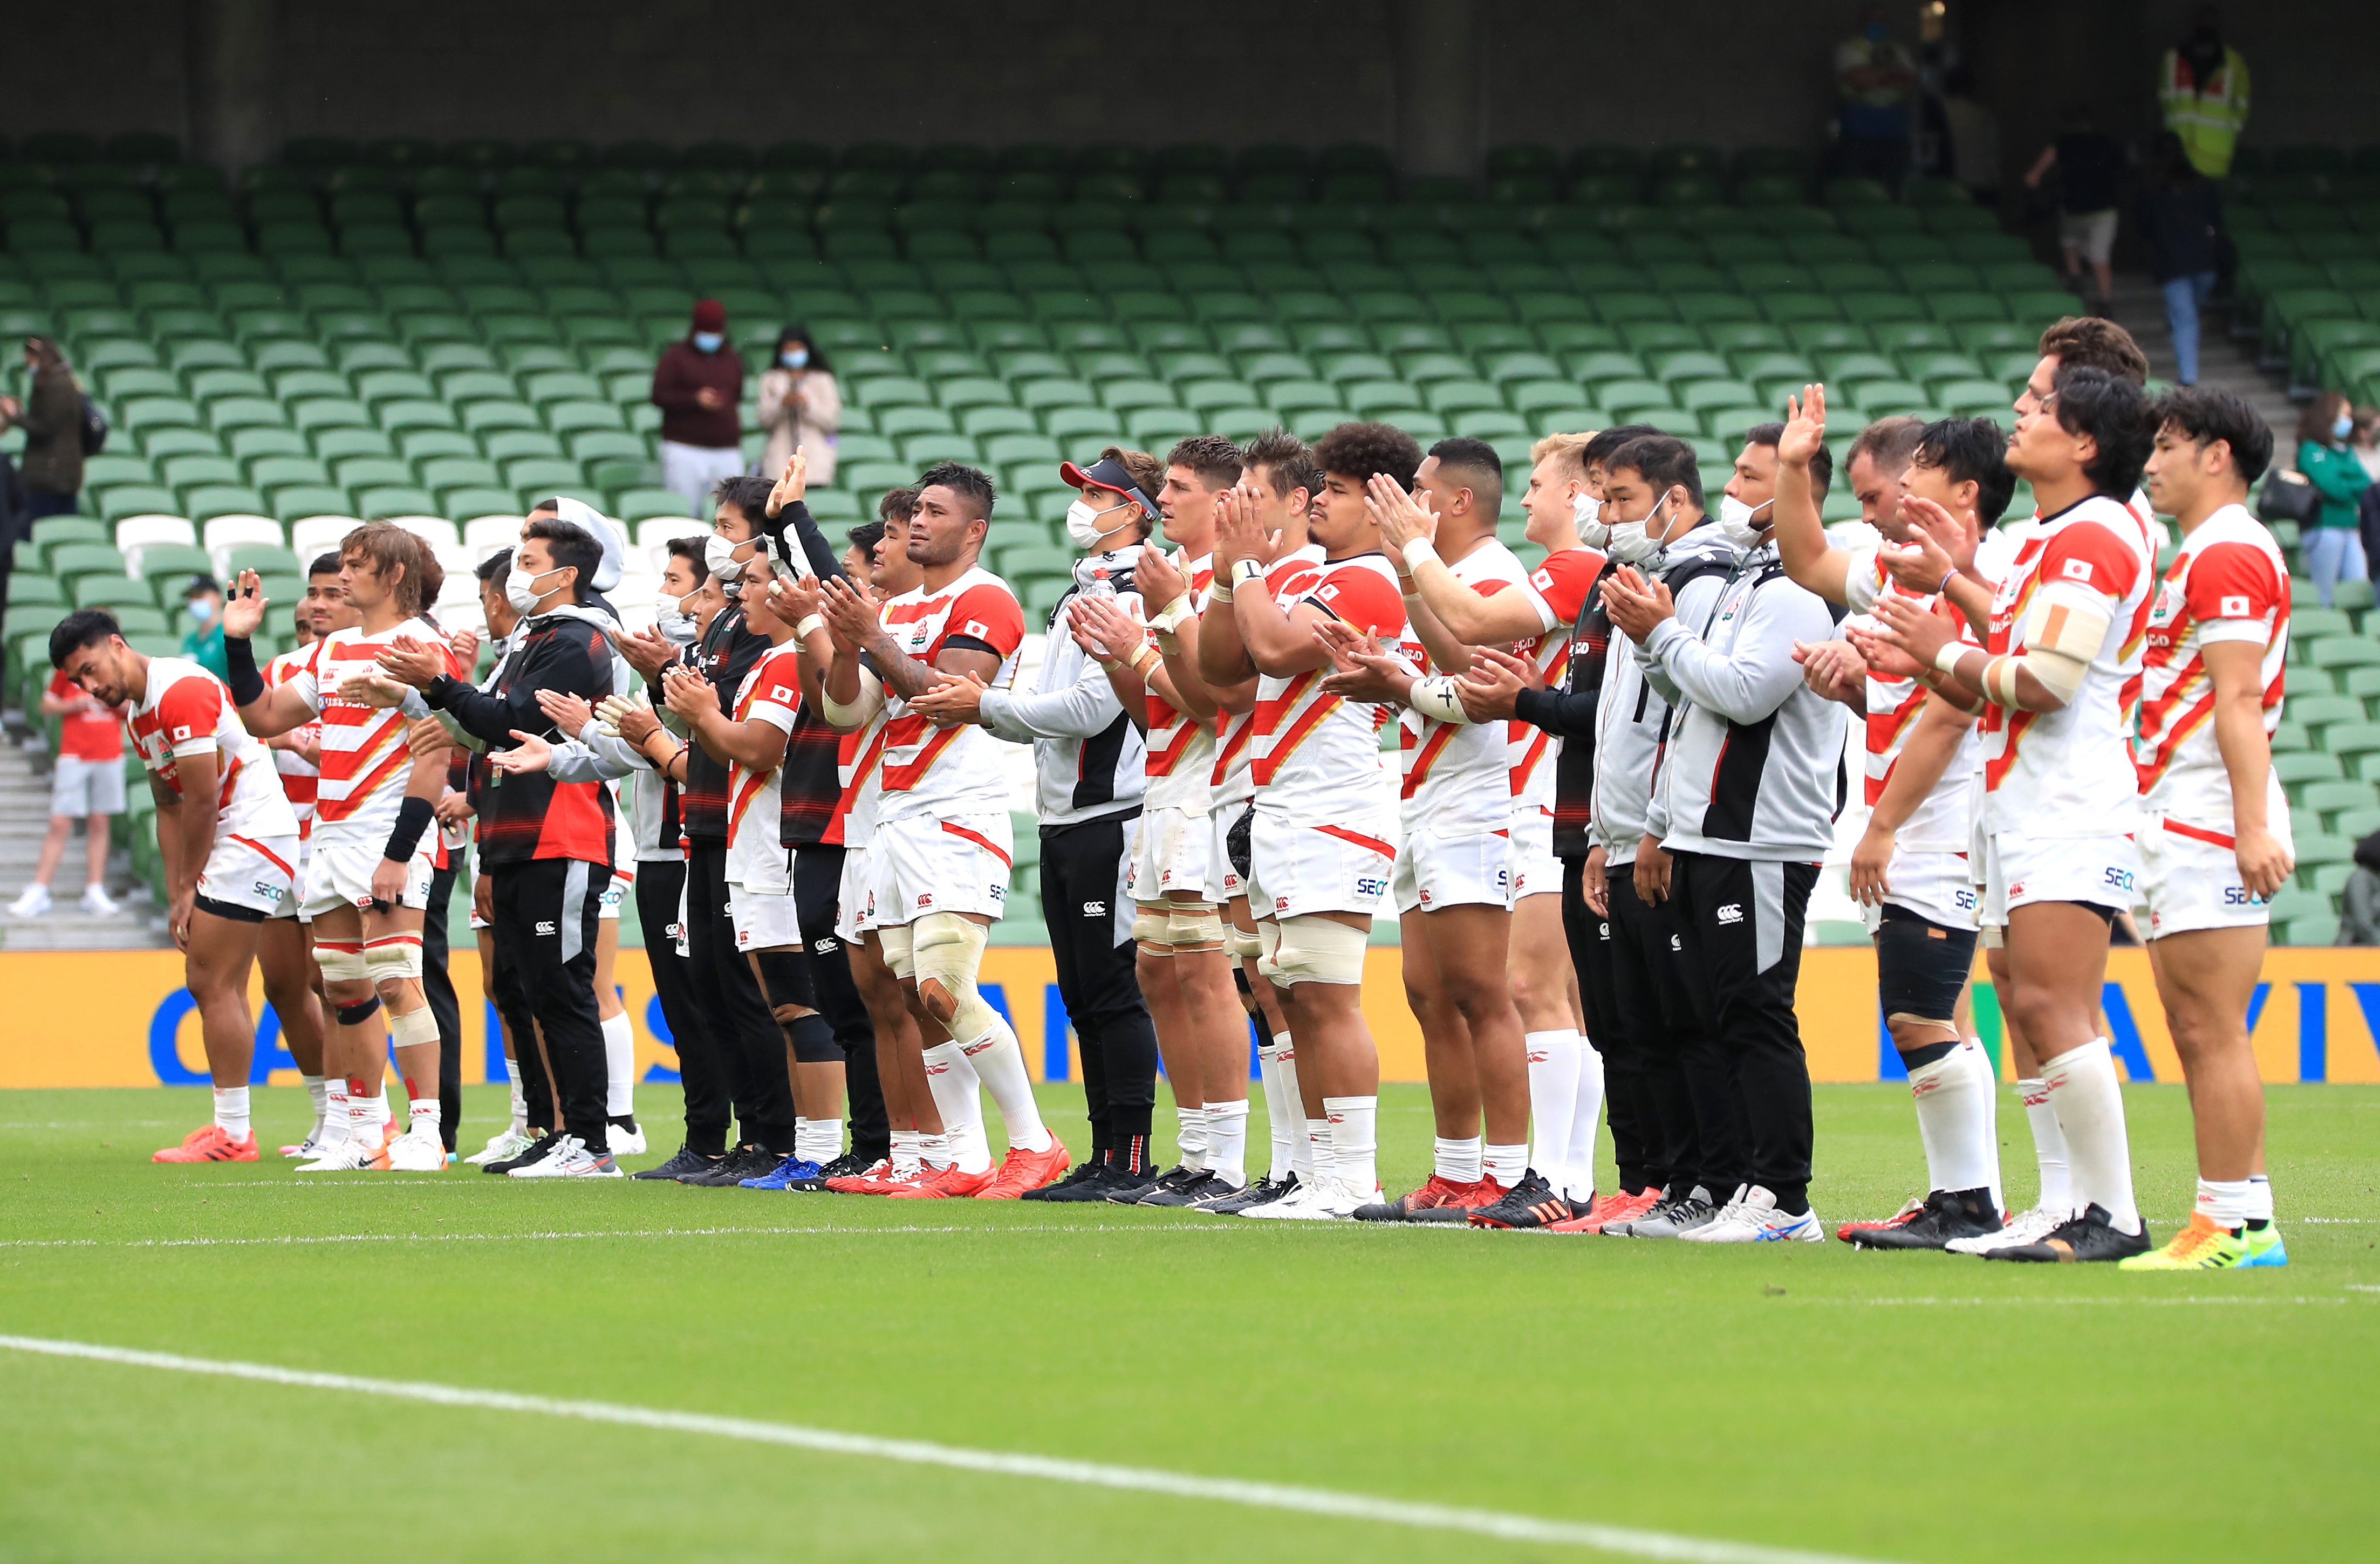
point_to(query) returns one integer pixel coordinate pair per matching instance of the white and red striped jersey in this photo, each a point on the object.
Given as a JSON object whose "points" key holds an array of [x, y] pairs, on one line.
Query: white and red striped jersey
{"points": [[1458, 776], [859, 765], [185, 710], [1181, 748], [365, 762], [298, 775], [1944, 819], [1317, 756], [932, 772], [2228, 584], [1232, 780], [2069, 772], [757, 856], [1559, 587]]}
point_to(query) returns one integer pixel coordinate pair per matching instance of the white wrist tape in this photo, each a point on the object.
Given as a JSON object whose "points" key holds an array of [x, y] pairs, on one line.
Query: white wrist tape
{"points": [[1168, 619], [809, 627], [1434, 697], [1417, 551], [1947, 660], [869, 701], [1245, 570]]}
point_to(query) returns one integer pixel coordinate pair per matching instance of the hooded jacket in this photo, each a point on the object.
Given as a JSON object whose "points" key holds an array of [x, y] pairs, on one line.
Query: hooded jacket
{"points": [[1089, 760]]}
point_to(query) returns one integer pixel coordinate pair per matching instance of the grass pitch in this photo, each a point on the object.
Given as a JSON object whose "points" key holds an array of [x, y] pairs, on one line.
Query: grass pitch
{"points": [[1911, 1408]]}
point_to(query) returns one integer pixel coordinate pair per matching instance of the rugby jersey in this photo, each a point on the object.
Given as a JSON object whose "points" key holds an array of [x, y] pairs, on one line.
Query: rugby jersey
{"points": [[1181, 748], [1231, 779], [2228, 584], [300, 776], [756, 858], [1458, 776], [365, 761], [1317, 756], [186, 711], [936, 772]]}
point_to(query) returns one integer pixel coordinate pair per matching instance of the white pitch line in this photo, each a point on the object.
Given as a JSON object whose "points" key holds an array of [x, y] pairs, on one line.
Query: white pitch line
{"points": [[590, 1232], [2030, 1301], [1623, 1540]]}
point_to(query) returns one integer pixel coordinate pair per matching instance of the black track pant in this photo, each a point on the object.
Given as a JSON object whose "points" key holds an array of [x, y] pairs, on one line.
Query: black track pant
{"points": [[700, 1073], [752, 1049], [1697, 1136], [439, 989], [817, 883], [1740, 922], [512, 1002], [544, 917], [1589, 936], [1083, 900]]}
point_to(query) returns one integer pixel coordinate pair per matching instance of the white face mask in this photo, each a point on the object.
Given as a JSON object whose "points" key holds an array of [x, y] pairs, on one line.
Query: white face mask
{"points": [[1082, 529], [675, 623], [1586, 516], [795, 358], [719, 556], [1632, 542], [1737, 521], [202, 611], [520, 588]]}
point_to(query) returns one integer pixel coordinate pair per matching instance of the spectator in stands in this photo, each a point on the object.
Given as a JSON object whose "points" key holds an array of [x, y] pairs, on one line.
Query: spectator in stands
{"points": [[2202, 93], [2182, 217], [800, 405], [2365, 440], [2333, 545], [86, 785], [1974, 136], [204, 600], [697, 386], [50, 472], [2090, 165], [2359, 901], [1875, 86]]}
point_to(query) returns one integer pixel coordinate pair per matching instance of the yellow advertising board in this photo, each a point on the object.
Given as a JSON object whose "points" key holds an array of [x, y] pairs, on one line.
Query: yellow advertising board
{"points": [[123, 1019]]}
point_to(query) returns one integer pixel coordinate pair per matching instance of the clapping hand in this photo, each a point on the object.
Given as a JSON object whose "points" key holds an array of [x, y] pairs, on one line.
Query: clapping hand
{"points": [[790, 484], [529, 753], [569, 714], [1402, 516], [1366, 670]]}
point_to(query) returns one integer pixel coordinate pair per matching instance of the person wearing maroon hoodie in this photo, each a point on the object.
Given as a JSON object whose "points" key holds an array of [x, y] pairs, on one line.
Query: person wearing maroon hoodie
{"points": [[697, 386]]}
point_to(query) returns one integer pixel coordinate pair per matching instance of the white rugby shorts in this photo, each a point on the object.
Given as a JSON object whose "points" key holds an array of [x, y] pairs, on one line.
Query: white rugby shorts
{"points": [[1172, 851], [2018, 871], [340, 872], [763, 920], [256, 873], [854, 904], [1938, 887], [1300, 866], [1433, 871], [922, 864], [2190, 880], [1536, 870]]}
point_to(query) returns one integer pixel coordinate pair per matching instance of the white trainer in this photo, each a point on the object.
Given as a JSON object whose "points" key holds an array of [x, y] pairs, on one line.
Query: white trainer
{"points": [[347, 1157], [502, 1147], [1753, 1218], [2026, 1227], [415, 1153], [571, 1159], [1332, 1201], [1286, 1208], [97, 902], [32, 903], [629, 1142]]}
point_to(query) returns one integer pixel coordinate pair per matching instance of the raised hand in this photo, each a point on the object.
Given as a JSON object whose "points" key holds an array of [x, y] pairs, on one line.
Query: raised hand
{"points": [[1160, 580], [411, 660], [1882, 656], [244, 609], [569, 712], [1102, 628], [1402, 517], [466, 644], [1934, 528], [850, 612], [1238, 535], [790, 483], [689, 695], [1805, 428], [647, 652]]}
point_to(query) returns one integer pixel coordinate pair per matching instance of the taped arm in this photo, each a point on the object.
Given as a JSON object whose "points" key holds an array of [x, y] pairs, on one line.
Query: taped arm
{"points": [[2064, 628]]}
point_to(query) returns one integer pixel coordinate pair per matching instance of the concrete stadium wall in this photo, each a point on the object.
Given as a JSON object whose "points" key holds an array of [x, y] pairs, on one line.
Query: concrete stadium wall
{"points": [[124, 1019], [1735, 72]]}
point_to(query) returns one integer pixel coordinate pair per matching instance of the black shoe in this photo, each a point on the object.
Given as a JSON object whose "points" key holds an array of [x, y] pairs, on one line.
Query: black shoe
{"points": [[1187, 1191], [537, 1151], [1264, 1191], [744, 1162], [1531, 1202], [1130, 1186], [1947, 1214], [849, 1165], [687, 1160], [2091, 1236], [1093, 1172]]}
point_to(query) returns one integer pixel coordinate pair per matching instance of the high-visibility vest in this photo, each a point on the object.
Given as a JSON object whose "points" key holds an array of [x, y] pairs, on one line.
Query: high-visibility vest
{"points": [[2208, 117]]}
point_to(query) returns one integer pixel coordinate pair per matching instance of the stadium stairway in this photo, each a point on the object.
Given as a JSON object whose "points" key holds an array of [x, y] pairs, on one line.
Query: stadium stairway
{"points": [[2225, 362], [24, 816]]}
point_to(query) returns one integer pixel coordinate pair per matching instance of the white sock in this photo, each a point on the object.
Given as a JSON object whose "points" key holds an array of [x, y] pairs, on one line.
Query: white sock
{"points": [[364, 1117], [619, 1068], [1950, 1094], [1320, 1164], [817, 1140], [2048, 1146], [934, 1151], [318, 1093], [1001, 1063], [1293, 1108], [2224, 1203], [955, 1088], [905, 1148], [1553, 1097], [1579, 1167], [231, 1111], [2090, 1108], [1456, 1161], [1353, 1149], [1227, 1141], [1190, 1136], [2260, 1199], [1992, 1119], [387, 1103], [1506, 1164], [422, 1118], [334, 1129], [520, 1103], [1277, 1118]]}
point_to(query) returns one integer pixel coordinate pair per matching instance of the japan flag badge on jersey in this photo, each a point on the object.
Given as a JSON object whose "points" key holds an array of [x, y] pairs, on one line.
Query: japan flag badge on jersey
{"points": [[181, 732], [1543, 580], [976, 628], [781, 695], [2077, 570], [2233, 608]]}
